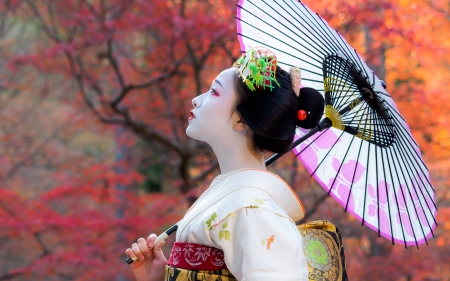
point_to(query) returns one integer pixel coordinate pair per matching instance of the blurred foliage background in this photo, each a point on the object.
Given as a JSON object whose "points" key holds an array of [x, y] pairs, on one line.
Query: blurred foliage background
{"points": [[94, 100]]}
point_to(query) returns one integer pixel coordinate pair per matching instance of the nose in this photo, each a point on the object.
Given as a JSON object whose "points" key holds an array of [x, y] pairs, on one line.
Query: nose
{"points": [[197, 102]]}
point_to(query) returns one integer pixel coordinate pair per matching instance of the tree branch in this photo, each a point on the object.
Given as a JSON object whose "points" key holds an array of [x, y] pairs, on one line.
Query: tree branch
{"points": [[43, 25], [205, 173], [11, 276], [313, 210]]}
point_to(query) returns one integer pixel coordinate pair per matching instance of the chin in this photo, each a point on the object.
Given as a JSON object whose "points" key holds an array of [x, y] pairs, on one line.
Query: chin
{"points": [[191, 132]]}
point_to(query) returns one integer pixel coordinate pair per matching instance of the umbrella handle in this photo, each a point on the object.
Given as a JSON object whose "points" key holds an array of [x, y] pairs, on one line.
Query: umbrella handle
{"points": [[324, 124], [158, 239]]}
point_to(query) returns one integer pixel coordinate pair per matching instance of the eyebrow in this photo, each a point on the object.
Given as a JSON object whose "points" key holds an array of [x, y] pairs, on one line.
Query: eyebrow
{"points": [[216, 81]]}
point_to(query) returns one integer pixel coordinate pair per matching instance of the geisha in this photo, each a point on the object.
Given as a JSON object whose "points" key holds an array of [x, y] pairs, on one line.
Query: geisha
{"points": [[243, 226]]}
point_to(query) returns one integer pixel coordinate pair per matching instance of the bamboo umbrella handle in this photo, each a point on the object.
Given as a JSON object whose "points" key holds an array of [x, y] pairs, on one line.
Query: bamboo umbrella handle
{"points": [[158, 239]]}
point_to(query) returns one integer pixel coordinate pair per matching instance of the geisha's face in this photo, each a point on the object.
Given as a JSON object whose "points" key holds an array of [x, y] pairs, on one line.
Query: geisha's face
{"points": [[214, 114]]}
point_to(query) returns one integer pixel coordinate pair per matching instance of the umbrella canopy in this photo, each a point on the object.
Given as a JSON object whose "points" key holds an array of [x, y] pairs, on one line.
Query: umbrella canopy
{"points": [[362, 153]]}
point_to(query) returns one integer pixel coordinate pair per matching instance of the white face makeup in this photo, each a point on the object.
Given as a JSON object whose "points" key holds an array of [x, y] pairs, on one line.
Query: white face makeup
{"points": [[212, 118]]}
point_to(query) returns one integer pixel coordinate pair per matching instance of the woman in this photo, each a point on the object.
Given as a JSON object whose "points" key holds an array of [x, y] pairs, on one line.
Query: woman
{"points": [[243, 226]]}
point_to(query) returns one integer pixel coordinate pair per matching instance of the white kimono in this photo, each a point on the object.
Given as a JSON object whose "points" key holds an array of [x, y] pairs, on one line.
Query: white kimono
{"points": [[249, 214]]}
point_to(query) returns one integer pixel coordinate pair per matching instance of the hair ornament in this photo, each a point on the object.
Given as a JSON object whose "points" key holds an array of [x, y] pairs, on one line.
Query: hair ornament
{"points": [[257, 68], [296, 79], [301, 114]]}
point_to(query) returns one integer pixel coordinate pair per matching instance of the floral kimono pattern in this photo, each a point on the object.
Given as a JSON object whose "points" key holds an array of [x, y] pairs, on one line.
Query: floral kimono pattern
{"points": [[250, 215]]}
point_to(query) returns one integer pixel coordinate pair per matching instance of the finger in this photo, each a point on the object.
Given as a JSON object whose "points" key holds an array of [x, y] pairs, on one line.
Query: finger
{"points": [[158, 253], [129, 253], [142, 244], [151, 240], [137, 252]]}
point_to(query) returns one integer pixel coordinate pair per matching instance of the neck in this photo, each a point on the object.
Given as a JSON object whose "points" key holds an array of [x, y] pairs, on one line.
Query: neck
{"points": [[237, 155]]}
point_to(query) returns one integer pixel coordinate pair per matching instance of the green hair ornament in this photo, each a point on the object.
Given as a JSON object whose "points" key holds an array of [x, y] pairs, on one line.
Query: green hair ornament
{"points": [[257, 68]]}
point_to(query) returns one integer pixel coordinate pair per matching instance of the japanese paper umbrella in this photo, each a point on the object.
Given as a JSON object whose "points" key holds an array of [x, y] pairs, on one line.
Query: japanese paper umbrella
{"points": [[362, 152]]}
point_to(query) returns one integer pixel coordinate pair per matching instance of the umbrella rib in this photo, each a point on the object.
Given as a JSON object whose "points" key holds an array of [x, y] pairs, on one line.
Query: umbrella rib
{"points": [[420, 177], [343, 160], [323, 41], [354, 173], [410, 196], [387, 195], [304, 33], [377, 184], [384, 133], [404, 197], [323, 38], [307, 79], [349, 96], [393, 109], [280, 32], [357, 59], [340, 166], [310, 142], [321, 25], [405, 139], [421, 193], [328, 152], [271, 47], [346, 79], [396, 201], [411, 177], [365, 189]]}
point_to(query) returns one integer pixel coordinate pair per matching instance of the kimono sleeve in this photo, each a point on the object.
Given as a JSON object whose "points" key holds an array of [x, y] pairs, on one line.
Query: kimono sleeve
{"points": [[260, 242]]}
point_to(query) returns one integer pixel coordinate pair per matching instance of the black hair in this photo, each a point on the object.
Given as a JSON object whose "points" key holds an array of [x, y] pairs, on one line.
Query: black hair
{"points": [[271, 115]]}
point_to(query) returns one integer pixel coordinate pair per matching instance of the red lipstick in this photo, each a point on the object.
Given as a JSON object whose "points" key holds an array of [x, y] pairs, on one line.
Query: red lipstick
{"points": [[192, 116]]}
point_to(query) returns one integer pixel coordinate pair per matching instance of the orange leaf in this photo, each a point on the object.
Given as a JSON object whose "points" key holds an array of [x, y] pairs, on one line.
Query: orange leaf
{"points": [[270, 240]]}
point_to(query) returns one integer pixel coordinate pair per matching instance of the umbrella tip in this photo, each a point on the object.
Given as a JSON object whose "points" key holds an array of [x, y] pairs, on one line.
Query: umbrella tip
{"points": [[383, 84]]}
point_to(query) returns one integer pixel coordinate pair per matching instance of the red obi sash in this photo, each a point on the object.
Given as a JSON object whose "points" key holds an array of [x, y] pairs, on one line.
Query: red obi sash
{"points": [[196, 257]]}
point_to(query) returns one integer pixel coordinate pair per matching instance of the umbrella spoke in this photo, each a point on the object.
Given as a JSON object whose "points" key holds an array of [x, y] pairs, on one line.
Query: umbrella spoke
{"points": [[411, 198], [406, 205], [304, 33], [323, 132], [408, 162], [340, 166], [377, 185], [273, 48], [323, 38], [328, 152], [411, 154], [353, 177], [322, 24], [413, 177], [263, 31], [387, 193], [365, 184]]}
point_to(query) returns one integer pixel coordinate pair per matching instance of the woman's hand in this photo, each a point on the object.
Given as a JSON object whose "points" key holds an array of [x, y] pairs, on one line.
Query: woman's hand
{"points": [[150, 265]]}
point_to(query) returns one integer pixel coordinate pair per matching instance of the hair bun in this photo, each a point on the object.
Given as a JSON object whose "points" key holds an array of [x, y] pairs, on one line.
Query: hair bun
{"points": [[312, 102]]}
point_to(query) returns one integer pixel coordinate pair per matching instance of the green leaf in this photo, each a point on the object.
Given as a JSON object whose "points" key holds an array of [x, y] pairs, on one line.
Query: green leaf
{"points": [[225, 224], [213, 216], [258, 201], [227, 235], [263, 242], [221, 234]]}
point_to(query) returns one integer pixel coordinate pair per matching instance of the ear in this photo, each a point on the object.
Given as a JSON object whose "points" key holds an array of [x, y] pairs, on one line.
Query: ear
{"points": [[240, 125], [238, 122]]}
